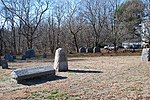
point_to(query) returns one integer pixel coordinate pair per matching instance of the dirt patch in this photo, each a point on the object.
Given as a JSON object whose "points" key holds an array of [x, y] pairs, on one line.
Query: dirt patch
{"points": [[106, 78]]}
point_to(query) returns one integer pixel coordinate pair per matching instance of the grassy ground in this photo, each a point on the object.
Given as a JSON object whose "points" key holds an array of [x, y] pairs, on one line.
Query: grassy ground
{"points": [[89, 78]]}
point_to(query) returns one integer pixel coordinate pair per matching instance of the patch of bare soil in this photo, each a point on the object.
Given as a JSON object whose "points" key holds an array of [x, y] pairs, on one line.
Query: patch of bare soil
{"points": [[94, 78]]}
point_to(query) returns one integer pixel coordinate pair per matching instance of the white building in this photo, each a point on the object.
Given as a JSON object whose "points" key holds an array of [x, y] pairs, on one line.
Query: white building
{"points": [[145, 32]]}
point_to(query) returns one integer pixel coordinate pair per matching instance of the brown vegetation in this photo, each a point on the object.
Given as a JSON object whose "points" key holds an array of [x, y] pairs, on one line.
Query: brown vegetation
{"points": [[105, 77]]}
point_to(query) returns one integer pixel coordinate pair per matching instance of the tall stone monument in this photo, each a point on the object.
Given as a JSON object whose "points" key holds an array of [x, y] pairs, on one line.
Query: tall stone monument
{"points": [[60, 62], [145, 54]]}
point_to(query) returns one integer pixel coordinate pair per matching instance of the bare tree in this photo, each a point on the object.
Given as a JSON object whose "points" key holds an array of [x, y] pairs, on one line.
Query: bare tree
{"points": [[114, 26], [51, 33], [58, 12], [75, 22], [30, 19], [95, 12], [1, 39]]}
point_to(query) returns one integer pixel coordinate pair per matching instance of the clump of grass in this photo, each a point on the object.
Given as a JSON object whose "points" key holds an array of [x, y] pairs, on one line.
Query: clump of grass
{"points": [[51, 95]]}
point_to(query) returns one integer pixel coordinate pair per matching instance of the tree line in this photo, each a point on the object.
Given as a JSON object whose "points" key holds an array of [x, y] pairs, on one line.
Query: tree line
{"points": [[45, 25]]}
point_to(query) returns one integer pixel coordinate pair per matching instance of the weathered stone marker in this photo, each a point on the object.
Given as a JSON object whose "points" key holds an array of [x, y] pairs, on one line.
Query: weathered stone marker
{"points": [[89, 50], [61, 62], [30, 53], [44, 55], [82, 50], [14, 57], [23, 57], [146, 54], [4, 64], [96, 49], [32, 73], [9, 57]]}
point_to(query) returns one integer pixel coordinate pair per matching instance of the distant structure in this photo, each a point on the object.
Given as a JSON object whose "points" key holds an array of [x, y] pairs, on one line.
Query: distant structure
{"points": [[145, 32]]}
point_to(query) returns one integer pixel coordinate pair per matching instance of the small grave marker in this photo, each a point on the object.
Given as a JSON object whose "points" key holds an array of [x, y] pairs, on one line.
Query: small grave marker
{"points": [[4, 64], [9, 57], [82, 50], [44, 55], [89, 50], [23, 57], [30, 53], [96, 49]]}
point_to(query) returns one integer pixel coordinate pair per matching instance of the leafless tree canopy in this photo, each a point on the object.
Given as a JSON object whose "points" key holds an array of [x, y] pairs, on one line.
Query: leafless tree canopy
{"points": [[46, 25]]}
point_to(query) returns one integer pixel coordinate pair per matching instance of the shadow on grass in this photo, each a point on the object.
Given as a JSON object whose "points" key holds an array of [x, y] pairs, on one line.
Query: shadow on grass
{"points": [[40, 80], [12, 68], [71, 59], [84, 71]]}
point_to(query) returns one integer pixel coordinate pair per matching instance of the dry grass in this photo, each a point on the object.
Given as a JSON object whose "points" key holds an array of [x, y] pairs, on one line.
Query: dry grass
{"points": [[94, 78]]}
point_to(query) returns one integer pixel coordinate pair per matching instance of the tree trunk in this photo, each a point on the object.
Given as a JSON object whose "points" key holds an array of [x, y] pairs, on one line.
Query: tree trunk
{"points": [[115, 47], [19, 44], [1, 45], [75, 42], [14, 39]]}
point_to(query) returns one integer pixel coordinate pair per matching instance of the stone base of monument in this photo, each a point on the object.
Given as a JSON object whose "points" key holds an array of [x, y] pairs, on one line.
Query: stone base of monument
{"points": [[30, 73], [145, 54]]}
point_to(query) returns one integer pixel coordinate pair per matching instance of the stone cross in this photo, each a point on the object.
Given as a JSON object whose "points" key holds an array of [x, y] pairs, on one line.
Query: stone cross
{"points": [[60, 62]]}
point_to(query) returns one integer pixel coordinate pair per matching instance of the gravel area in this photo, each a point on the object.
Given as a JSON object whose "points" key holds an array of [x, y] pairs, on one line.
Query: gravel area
{"points": [[88, 78]]}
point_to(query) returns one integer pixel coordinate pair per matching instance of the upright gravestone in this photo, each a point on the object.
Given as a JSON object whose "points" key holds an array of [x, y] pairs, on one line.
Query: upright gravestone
{"points": [[146, 54], [96, 49], [82, 50], [89, 50], [23, 57], [30, 53], [0, 62], [14, 57], [9, 57], [44, 55], [60, 62], [4, 64]]}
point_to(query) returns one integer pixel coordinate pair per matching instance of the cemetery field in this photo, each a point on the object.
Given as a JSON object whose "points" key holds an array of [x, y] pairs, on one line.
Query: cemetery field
{"points": [[94, 78]]}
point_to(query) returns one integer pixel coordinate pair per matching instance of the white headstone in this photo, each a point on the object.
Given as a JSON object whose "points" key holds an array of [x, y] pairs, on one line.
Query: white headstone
{"points": [[61, 62], [146, 54]]}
